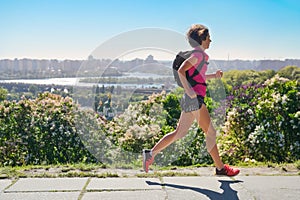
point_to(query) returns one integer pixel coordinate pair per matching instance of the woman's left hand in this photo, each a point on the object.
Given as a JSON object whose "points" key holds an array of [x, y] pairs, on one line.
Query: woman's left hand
{"points": [[219, 73]]}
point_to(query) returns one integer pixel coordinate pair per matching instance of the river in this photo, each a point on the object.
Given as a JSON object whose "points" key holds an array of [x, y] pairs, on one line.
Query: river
{"points": [[75, 81]]}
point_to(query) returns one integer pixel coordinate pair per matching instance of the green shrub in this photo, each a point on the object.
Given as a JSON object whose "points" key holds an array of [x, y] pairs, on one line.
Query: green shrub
{"points": [[263, 122], [144, 123], [46, 130]]}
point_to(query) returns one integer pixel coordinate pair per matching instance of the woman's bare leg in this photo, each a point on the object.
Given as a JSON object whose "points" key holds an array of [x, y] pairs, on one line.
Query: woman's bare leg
{"points": [[185, 122], [204, 121]]}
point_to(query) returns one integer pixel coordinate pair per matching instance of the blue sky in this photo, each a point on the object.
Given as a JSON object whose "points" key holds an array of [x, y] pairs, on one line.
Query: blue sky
{"points": [[73, 29]]}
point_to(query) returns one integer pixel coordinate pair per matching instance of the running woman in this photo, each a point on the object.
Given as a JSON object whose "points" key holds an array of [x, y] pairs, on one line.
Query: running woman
{"points": [[192, 103]]}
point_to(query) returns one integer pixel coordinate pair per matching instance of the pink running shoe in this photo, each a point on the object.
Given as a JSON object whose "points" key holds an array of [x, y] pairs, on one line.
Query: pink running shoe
{"points": [[148, 159], [227, 171]]}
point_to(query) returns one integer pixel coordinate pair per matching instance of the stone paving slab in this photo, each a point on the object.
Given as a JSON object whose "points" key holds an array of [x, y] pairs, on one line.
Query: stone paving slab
{"points": [[122, 184], [172, 188], [272, 187], [48, 184], [186, 195], [126, 195], [203, 188], [40, 196], [4, 183], [194, 182]]}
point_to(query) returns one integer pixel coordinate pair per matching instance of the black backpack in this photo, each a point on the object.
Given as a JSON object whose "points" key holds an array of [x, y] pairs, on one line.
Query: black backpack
{"points": [[180, 58]]}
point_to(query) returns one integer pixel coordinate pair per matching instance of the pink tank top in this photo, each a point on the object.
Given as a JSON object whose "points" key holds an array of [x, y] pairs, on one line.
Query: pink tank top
{"points": [[200, 89]]}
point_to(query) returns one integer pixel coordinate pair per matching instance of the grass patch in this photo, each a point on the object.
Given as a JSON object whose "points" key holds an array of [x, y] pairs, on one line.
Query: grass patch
{"points": [[175, 167], [136, 164], [250, 164], [11, 172], [52, 171], [97, 170], [297, 164], [166, 174], [84, 166], [89, 174]]}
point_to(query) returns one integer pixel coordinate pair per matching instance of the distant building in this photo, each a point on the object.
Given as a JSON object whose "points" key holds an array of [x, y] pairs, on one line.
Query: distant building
{"points": [[105, 109], [150, 59]]}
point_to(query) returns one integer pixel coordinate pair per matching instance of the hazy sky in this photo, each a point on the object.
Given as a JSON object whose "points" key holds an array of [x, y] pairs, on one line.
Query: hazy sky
{"points": [[73, 29]]}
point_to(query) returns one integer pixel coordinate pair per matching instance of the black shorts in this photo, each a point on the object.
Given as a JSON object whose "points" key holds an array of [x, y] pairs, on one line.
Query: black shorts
{"points": [[188, 104]]}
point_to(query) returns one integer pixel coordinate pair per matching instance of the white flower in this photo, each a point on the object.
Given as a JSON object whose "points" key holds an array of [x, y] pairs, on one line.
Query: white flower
{"points": [[249, 111], [284, 99], [232, 113], [258, 107], [297, 114], [227, 123], [276, 78], [276, 97]]}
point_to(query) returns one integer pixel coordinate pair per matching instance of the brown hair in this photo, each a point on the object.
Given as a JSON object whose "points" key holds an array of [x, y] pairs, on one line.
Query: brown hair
{"points": [[196, 34]]}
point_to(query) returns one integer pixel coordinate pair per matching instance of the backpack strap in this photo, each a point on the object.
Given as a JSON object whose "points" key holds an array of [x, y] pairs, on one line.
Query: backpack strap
{"points": [[197, 71], [199, 67]]}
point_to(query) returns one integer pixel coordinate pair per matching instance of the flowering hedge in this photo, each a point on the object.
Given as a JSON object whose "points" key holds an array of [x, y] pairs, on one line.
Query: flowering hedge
{"points": [[43, 131], [139, 127], [144, 123], [263, 122]]}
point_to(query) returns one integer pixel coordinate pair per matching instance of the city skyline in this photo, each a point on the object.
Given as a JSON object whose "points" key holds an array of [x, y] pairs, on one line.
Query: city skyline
{"points": [[254, 30]]}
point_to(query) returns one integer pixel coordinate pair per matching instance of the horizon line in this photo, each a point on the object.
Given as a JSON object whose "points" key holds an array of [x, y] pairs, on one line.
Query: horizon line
{"points": [[164, 60]]}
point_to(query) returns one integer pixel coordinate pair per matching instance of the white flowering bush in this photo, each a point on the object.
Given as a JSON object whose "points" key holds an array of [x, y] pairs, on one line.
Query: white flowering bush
{"points": [[48, 130], [144, 123], [140, 125], [263, 122]]}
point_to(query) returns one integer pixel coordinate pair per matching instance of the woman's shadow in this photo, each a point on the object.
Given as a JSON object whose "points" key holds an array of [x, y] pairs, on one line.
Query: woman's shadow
{"points": [[228, 192]]}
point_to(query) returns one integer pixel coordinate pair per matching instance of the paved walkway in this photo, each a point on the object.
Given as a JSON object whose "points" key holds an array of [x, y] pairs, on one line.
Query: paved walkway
{"points": [[244, 187]]}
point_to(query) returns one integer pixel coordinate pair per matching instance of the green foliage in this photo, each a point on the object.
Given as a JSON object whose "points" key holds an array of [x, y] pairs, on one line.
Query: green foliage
{"points": [[3, 94], [263, 122], [43, 131], [195, 149], [172, 107], [144, 123], [140, 125], [235, 78], [290, 72]]}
